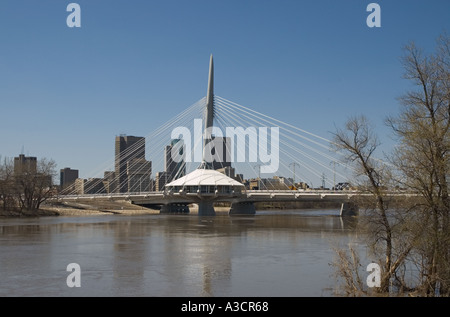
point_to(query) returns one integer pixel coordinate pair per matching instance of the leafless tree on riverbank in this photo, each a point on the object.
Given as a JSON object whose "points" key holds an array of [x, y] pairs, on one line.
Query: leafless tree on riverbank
{"points": [[422, 157], [415, 237], [384, 225], [7, 199], [27, 190]]}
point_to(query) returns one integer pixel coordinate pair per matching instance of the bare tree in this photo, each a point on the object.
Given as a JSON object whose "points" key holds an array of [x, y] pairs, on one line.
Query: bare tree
{"points": [[422, 157], [7, 185], [347, 269], [413, 236], [359, 143], [34, 188]]}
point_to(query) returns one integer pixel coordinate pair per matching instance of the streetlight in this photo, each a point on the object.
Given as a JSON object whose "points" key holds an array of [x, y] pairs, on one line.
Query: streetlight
{"points": [[293, 165], [334, 174], [259, 175]]}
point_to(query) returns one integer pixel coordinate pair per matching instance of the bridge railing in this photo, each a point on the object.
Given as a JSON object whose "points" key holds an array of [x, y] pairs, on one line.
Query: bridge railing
{"points": [[283, 191], [246, 192], [124, 195]]}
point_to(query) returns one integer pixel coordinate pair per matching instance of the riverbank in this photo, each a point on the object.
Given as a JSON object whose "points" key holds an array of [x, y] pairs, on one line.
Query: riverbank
{"points": [[67, 212], [49, 211], [102, 207]]}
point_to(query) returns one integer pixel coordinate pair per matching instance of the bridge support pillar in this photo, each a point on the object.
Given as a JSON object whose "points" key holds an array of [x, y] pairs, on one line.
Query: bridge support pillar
{"points": [[206, 208], [242, 208], [349, 209], [174, 209]]}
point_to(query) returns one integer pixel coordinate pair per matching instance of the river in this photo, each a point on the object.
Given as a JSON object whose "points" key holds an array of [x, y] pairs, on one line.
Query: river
{"points": [[274, 253]]}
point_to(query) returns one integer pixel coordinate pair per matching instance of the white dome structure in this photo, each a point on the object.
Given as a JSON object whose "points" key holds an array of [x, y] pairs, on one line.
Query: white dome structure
{"points": [[204, 186], [205, 181]]}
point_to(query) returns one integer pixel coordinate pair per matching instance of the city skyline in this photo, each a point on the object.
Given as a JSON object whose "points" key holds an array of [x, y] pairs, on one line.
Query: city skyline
{"points": [[65, 93]]}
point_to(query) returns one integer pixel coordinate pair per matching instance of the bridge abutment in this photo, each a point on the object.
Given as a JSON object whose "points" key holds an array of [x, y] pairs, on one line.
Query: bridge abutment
{"points": [[174, 209], [206, 208], [242, 208], [349, 209]]}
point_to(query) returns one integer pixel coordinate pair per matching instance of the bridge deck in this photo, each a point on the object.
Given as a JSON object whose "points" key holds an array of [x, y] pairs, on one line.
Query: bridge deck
{"points": [[249, 196]]}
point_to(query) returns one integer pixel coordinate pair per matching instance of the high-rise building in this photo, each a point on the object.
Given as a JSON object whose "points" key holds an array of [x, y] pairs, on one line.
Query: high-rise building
{"points": [[109, 181], [220, 150], [89, 186], [139, 172], [27, 167], [129, 160], [174, 160], [25, 164], [67, 177], [161, 180]]}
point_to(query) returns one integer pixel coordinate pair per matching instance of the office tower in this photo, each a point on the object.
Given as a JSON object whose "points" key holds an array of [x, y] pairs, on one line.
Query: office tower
{"points": [[109, 181], [67, 177], [89, 186], [27, 168], [161, 180], [24, 164], [138, 173], [221, 151], [129, 157], [174, 160]]}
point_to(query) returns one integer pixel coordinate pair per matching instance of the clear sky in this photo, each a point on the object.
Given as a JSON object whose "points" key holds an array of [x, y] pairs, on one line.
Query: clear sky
{"points": [[65, 93]]}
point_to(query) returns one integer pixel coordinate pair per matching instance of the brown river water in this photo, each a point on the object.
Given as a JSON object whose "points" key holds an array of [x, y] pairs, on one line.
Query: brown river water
{"points": [[274, 253]]}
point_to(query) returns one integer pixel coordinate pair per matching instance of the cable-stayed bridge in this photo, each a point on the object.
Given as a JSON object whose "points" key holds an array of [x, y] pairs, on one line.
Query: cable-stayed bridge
{"points": [[210, 148]]}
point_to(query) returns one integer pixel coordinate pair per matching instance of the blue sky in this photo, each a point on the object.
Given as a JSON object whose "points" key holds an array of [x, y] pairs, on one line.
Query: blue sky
{"points": [[65, 93]]}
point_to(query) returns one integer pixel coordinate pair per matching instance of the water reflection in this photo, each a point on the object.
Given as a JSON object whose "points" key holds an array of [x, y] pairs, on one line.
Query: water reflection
{"points": [[270, 254]]}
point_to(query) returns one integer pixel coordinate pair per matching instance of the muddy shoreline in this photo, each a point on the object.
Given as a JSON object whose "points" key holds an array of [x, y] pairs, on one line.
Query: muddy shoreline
{"points": [[102, 208], [49, 211]]}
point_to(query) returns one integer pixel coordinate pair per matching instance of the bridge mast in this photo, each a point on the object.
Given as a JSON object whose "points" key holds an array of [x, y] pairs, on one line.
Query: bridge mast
{"points": [[210, 99], [209, 114]]}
